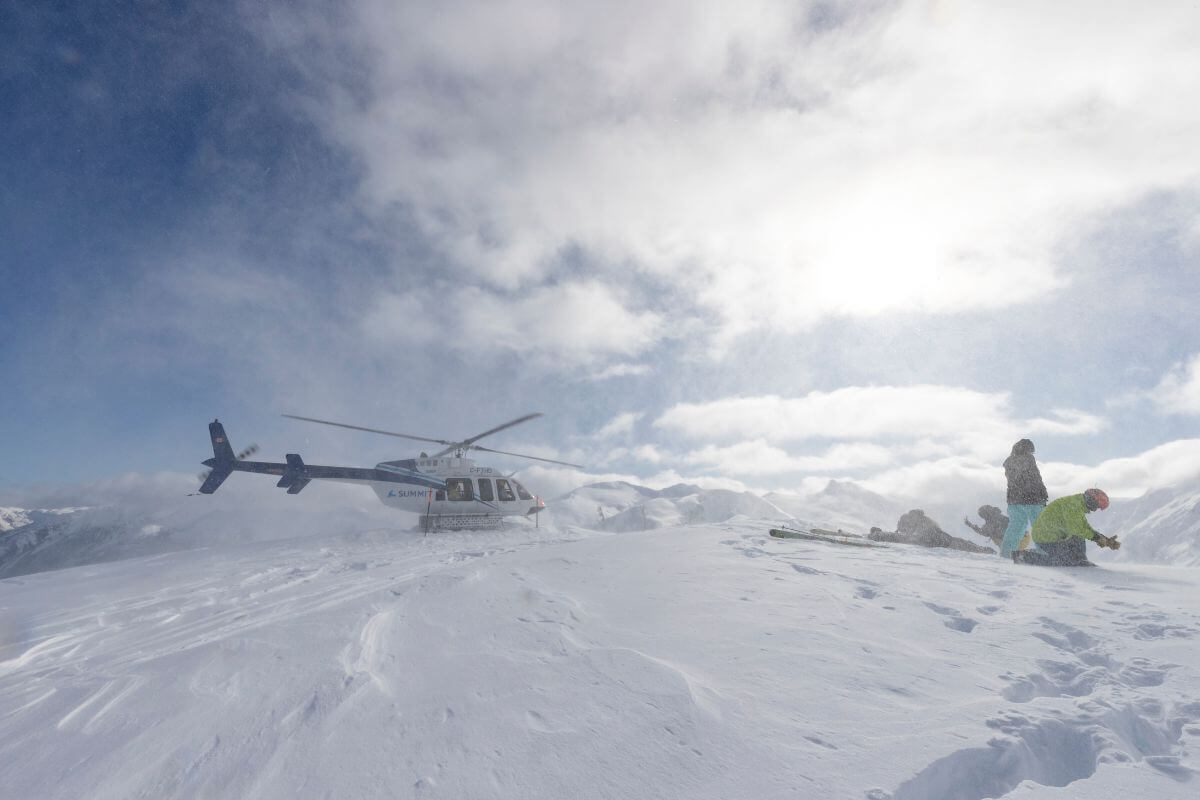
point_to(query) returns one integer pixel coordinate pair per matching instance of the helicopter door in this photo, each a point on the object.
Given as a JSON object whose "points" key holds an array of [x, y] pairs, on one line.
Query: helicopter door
{"points": [[459, 489], [504, 492], [485, 490]]}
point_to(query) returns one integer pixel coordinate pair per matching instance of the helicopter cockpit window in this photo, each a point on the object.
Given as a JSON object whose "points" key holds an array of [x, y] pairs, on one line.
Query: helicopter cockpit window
{"points": [[459, 489], [521, 493], [485, 489], [503, 490]]}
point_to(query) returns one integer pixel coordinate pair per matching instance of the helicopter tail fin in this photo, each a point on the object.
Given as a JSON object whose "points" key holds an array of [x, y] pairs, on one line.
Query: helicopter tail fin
{"points": [[222, 460], [293, 477], [215, 479], [222, 450]]}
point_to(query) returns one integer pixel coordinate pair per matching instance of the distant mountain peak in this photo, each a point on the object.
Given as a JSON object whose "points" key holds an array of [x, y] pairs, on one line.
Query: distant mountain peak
{"points": [[11, 518]]}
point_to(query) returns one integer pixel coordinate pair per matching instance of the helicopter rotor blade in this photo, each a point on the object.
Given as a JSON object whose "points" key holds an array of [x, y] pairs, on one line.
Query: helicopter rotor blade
{"points": [[509, 424], [522, 455], [469, 441], [369, 430], [465, 444]]}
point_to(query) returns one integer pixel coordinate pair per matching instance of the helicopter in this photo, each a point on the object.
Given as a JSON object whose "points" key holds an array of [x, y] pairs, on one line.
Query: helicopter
{"points": [[447, 490]]}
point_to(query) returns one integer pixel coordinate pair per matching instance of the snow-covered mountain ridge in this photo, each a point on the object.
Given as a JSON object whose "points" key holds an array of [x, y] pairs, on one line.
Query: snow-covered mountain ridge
{"points": [[1159, 527], [13, 518], [621, 506]]}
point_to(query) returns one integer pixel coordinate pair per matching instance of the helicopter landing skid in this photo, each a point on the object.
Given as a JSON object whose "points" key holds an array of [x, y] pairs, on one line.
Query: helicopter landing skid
{"points": [[459, 522]]}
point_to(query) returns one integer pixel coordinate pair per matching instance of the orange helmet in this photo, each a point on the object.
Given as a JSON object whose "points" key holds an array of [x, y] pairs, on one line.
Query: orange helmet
{"points": [[1095, 498]]}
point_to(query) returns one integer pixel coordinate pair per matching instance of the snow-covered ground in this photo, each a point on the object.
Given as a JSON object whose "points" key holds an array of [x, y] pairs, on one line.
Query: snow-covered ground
{"points": [[701, 661]]}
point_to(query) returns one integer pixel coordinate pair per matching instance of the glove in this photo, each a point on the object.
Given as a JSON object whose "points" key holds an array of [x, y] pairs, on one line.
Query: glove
{"points": [[1108, 541]]}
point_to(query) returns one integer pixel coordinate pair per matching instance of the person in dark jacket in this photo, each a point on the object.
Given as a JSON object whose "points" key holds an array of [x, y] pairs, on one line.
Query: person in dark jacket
{"points": [[915, 527], [994, 524], [1027, 495]]}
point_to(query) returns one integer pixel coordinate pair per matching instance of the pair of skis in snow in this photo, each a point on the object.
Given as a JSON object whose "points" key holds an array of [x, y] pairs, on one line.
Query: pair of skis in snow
{"points": [[1032, 558], [821, 535]]}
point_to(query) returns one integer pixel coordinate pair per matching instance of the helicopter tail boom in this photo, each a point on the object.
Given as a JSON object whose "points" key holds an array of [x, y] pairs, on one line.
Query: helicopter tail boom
{"points": [[294, 475]]}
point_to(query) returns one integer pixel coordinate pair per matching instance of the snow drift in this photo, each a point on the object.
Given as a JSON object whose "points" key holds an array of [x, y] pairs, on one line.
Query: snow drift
{"points": [[698, 661], [1160, 526]]}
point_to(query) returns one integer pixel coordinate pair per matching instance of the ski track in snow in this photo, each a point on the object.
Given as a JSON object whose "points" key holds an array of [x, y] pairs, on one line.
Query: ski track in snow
{"points": [[710, 661]]}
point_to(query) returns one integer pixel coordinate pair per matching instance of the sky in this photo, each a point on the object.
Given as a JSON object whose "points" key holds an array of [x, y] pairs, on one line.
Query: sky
{"points": [[757, 246]]}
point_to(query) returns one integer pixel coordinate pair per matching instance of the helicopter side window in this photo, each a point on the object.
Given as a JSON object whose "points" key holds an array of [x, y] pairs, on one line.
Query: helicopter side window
{"points": [[521, 493], [503, 490], [439, 495], [459, 489], [485, 489]]}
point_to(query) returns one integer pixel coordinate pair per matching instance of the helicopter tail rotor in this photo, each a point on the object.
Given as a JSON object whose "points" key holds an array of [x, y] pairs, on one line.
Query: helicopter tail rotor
{"points": [[249, 451], [221, 464]]}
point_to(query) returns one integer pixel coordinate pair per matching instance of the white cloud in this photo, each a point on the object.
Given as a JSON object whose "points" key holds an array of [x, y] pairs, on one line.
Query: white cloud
{"points": [[848, 413], [1163, 466], [565, 324], [648, 453], [964, 482], [744, 458], [622, 424], [933, 446], [1067, 422], [756, 457], [980, 423], [617, 371], [402, 319], [912, 156], [1179, 390], [941, 482]]}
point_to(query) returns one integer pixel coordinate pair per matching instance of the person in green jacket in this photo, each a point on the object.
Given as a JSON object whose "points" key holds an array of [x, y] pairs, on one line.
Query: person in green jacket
{"points": [[1061, 531]]}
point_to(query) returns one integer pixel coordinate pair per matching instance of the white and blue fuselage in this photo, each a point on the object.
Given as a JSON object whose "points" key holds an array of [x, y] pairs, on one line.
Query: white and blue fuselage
{"points": [[471, 490]]}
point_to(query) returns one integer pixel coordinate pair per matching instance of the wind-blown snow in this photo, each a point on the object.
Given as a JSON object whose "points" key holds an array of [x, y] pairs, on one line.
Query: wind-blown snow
{"points": [[621, 506], [841, 504], [51, 539], [1160, 526], [700, 661]]}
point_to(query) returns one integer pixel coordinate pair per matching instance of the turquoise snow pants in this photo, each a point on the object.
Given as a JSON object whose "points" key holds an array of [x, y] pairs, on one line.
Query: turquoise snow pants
{"points": [[1020, 519]]}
